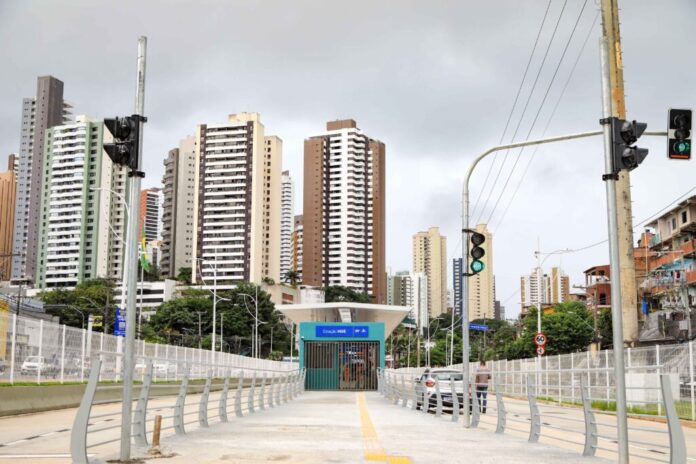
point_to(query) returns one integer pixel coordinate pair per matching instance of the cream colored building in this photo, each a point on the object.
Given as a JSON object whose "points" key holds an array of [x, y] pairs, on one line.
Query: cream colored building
{"points": [[237, 168], [430, 257], [482, 285], [272, 174]]}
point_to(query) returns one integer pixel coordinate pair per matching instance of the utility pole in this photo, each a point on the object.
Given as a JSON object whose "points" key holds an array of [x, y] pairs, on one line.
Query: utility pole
{"points": [[627, 269], [130, 270], [614, 260]]}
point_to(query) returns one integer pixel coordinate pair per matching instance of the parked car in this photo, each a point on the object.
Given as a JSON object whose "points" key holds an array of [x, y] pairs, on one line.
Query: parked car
{"points": [[33, 364], [443, 378]]}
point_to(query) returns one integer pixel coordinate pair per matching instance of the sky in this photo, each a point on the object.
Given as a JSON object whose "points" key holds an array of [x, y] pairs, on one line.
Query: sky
{"points": [[435, 81]]}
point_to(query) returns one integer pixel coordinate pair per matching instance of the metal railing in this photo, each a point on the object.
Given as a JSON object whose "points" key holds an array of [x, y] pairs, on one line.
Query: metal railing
{"points": [[582, 424], [187, 400]]}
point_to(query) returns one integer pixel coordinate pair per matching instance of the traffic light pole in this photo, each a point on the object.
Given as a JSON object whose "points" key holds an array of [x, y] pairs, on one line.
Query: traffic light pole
{"points": [[465, 246], [614, 264], [130, 268]]}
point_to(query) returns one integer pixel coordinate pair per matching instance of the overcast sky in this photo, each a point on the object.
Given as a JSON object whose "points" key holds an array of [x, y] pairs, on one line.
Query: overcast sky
{"points": [[435, 81]]}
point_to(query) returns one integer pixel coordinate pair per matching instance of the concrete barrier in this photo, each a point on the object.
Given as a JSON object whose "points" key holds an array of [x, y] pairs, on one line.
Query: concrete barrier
{"points": [[30, 399]]}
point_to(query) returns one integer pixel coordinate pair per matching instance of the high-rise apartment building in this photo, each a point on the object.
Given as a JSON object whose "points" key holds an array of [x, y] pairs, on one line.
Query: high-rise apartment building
{"points": [[297, 238], [40, 113], [82, 222], [272, 168], [178, 207], [457, 273], [552, 288], [286, 223], [429, 253], [150, 225], [410, 289], [344, 210], [8, 195], [235, 222], [482, 285]]}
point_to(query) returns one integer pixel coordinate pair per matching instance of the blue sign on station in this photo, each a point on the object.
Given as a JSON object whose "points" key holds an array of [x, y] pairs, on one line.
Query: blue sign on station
{"points": [[339, 331], [480, 327]]}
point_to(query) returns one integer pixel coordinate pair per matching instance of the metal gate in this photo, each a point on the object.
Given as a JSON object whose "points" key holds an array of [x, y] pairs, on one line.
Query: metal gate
{"points": [[341, 365]]}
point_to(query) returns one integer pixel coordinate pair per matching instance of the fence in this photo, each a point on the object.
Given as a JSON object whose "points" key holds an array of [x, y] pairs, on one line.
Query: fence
{"points": [[585, 428], [558, 377], [179, 404], [36, 351]]}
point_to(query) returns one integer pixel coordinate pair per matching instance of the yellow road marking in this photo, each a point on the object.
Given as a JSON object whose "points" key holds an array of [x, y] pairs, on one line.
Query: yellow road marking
{"points": [[374, 452]]}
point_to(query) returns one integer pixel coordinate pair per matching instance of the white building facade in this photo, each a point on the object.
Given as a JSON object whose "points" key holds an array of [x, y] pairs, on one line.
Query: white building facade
{"points": [[83, 221], [287, 219]]}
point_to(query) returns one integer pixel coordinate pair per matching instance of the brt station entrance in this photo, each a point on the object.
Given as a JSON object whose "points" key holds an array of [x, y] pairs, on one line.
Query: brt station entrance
{"points": [[342, 345]]}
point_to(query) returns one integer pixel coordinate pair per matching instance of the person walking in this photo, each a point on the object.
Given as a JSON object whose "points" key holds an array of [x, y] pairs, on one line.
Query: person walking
{"points": [[483, 375]]}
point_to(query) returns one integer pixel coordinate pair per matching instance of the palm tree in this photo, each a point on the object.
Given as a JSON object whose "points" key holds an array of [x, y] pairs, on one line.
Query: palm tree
{"points": [[292, 277]]}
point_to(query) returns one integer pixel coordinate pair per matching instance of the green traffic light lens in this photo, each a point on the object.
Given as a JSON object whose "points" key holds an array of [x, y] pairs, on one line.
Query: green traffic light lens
{"points": [[477, 266], [682, 147]]}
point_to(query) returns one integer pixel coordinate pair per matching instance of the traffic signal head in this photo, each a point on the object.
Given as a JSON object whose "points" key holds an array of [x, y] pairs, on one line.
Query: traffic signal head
{"points": [[679, 134], [126, 132], [624, 134], [477, 252]]}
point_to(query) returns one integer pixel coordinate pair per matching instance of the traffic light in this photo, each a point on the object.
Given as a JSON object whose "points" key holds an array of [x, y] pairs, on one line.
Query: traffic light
{"points": [[626, 156], [126, 132], [477, 252], [679, 134]]}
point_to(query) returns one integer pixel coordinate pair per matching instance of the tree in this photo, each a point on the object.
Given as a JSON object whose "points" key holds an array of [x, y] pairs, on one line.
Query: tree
{"points": [[568, 328], [91, 297], [605, 327], [339, 293], [292, 277], [184, 275]]}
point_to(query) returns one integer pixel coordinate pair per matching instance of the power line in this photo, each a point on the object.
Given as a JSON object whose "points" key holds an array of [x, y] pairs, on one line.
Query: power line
{"points": [[548, 123], [514, 105], [526, 105], [541, 106]]}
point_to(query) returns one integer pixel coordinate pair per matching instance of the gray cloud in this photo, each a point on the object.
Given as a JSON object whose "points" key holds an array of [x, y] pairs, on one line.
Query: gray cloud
{"points": [[434, 80]]}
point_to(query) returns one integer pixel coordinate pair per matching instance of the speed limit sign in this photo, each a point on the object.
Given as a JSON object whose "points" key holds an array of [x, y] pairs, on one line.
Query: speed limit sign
{"points": [[541, 350], [540, 339]]}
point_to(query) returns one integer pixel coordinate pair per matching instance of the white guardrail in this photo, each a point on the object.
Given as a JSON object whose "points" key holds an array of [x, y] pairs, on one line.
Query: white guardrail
{"points": [[196, 393], [531, 412]]}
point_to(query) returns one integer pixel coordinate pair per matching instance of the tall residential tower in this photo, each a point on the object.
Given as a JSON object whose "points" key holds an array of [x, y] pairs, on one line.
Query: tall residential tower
{"points": [[82, 222], [178, 207], [429, 253], [286, 223], [343, 211], [46, 110], [236, 224]]}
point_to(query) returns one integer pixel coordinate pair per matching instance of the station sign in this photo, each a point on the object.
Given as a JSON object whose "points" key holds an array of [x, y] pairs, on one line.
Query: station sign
{"points": [[340, 331]]}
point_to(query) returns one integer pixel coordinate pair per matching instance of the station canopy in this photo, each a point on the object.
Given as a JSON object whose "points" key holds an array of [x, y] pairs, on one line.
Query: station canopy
{"points": [[390, 315]]}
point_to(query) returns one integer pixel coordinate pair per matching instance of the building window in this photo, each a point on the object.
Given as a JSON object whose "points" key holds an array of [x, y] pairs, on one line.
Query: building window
{"points": [[674, 223], [683, 217]]}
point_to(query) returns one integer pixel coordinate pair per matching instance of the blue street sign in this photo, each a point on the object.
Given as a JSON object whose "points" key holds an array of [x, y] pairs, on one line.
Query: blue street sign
{"points": [[120, 323], [339, 331], [480, 327]]}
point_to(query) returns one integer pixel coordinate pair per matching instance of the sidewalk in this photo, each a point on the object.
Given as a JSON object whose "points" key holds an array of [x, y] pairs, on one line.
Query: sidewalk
{"points": [[347, 427]]}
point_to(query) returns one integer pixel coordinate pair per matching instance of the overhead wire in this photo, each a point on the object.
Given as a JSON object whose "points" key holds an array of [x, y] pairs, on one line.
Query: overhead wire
{"points": [[514, 105], [550, 120], [526, 105], [541, 106]]}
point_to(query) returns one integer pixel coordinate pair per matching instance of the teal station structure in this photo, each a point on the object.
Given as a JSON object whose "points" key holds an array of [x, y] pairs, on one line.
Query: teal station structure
{"points": [[342, 345]]}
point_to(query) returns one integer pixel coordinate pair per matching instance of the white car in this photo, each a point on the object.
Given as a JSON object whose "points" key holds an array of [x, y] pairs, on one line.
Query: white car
{"points": [[443, 378], [32, 365]]}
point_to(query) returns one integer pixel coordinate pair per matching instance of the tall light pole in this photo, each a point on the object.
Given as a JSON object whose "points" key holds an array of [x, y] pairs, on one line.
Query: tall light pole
{"points": [[255, 334]]}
